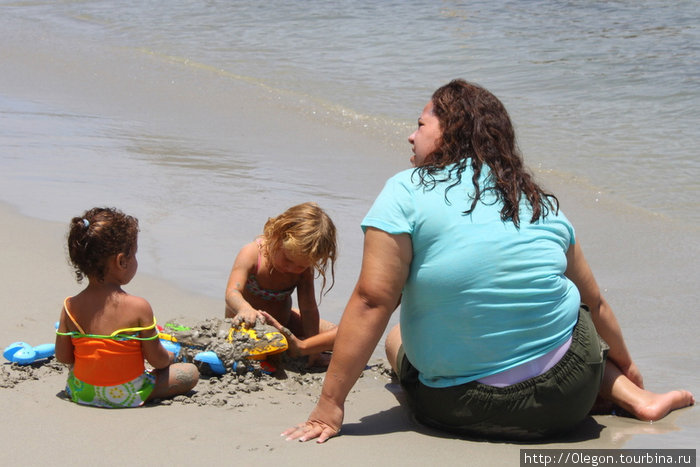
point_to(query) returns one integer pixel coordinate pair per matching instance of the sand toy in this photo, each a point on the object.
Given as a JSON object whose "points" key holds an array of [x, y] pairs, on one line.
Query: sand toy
{"points": [[24, 354], [221, 345]]}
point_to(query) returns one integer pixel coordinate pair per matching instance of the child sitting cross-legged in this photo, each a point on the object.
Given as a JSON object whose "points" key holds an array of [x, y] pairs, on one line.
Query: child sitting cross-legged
{"points": [[104, 333]]}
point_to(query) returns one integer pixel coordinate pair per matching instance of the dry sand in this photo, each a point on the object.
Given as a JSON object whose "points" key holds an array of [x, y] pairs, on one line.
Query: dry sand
{"points": [[226, 420]]}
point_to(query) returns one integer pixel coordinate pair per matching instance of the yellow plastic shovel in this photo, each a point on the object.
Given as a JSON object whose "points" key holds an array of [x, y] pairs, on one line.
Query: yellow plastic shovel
{"points": [[270, 343]]}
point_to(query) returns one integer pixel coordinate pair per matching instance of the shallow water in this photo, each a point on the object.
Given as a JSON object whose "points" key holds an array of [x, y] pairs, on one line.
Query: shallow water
{"points": [[206, 117], [602, 90]]}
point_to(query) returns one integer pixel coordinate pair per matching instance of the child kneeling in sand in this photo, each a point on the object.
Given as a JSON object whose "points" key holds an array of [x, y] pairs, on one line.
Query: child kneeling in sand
{"points": [[293, 247], [105, 333]]}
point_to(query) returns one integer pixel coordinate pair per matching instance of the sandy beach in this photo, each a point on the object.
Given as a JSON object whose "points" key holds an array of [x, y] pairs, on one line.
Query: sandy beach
{"points": [[203, 156], [40, 427]]}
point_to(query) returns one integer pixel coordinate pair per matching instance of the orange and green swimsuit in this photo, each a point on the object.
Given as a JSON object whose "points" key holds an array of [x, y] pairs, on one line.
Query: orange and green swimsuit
{"points": [[108, 371]]}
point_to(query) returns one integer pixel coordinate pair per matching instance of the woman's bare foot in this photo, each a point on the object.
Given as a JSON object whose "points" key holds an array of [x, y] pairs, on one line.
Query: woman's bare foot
{"points": [[653, 406], [640, 403]]}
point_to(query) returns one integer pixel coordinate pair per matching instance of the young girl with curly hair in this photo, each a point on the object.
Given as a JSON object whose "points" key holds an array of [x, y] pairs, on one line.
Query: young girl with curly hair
{"points": [[104, 333]]}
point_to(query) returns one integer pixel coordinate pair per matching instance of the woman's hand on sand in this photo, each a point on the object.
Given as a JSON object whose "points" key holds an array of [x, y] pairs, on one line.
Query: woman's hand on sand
{"points": [[323, 423], [294, 344]]}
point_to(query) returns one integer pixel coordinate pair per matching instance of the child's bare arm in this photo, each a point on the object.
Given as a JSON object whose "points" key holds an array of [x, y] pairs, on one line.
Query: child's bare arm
{"points": [[156, 354], [238, 308], [316, 344], [236, 305], [64, 344], [153, 350], [310, 316]]}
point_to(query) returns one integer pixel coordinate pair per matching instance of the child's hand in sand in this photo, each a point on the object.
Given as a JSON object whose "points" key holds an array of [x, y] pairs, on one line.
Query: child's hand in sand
{"points": [[294, 344], [247, 317]]}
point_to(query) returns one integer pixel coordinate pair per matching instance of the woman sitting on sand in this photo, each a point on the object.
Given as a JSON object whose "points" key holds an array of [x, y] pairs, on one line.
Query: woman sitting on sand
{"points": [[494, 339]]}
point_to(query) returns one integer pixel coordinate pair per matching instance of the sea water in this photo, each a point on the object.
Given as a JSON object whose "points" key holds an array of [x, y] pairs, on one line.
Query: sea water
{"points": [[130, 104]]}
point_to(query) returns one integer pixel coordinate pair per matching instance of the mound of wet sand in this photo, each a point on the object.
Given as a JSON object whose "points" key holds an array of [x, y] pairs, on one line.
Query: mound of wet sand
{"points": [[289, 376]]}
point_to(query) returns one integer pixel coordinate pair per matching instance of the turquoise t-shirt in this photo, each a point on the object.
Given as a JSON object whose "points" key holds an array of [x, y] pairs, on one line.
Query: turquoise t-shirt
{"points": [[481, 296]]}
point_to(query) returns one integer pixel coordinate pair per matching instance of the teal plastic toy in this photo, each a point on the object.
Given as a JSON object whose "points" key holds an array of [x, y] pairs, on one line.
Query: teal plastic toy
{"points": [[211, 359], [217, 367], [170, 346], [24, 354]]}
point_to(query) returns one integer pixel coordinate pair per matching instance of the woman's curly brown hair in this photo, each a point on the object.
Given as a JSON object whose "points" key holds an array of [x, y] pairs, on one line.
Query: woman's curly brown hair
{"points": [[477, 129]]}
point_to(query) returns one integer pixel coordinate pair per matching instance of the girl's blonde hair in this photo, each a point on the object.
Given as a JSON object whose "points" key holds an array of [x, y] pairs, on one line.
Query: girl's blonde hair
{"points": [[304, 230]]}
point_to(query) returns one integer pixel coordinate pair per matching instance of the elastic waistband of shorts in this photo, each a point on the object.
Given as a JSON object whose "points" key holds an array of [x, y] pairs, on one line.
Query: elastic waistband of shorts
{"points": [[586, 347]]}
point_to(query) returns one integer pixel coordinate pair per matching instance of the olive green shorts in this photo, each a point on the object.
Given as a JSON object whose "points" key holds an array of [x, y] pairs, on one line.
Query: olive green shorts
{"points": [[544, 406]]}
